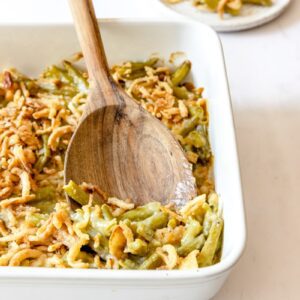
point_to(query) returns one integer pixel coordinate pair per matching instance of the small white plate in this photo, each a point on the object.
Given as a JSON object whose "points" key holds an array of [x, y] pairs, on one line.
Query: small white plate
{"points": [[251, 15]]}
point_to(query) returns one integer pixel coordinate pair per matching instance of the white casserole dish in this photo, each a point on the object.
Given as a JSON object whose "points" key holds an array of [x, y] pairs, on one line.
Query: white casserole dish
{"points": [[30, 49]]}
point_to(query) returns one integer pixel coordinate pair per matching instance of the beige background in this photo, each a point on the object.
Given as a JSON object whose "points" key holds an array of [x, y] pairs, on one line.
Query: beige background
{"points": [[264, 73]]}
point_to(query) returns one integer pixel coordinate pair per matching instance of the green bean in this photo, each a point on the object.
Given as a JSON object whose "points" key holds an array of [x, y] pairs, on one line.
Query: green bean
{"points": [[135, 70], [127, 222], [58, 74], [144, 231], [76, 193], [208, 220], [191, 239], [189, 125], [193, 228], [97, 227], [78, 79], [141, 212], [210, 246], [231, 7], [153, 244], [45, 194], [259, 2], [146, 227], [196, 111], [180, 92], [213, 202], [212, 4], [152, 262], [233, 11], [195, 244], [106, 212], [67, 82], [45, 206], [220, 243], [136, 74], [43, 159], [51, 87], [196, 139], [32, 87], [204, 151], [141, 65], [157, 220], [180, 74]]}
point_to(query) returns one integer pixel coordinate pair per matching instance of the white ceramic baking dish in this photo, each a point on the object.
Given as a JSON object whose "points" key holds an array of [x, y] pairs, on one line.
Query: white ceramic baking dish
{"points": [[30, 49]]}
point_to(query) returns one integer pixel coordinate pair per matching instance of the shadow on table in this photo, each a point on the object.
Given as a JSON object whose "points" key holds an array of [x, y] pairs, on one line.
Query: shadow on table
{"points": [[269, 150]]}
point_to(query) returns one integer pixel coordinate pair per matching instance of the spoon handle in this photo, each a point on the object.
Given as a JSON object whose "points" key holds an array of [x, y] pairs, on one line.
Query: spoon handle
{"points": [[88, 32]]}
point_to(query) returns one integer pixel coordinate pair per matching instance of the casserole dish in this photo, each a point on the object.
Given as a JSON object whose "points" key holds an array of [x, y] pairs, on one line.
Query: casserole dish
{"points": [[30, 49]]}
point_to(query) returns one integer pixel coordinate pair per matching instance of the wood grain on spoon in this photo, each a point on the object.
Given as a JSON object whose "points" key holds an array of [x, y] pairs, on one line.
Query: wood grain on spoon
{"points": [[118, 145]]}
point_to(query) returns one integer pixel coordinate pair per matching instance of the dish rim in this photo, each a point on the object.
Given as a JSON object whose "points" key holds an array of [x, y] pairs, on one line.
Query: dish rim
{"points": [[205, 273]]}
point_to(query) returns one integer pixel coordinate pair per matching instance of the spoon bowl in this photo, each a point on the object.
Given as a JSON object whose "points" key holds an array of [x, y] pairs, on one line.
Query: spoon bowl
{"points": [[143, 167]]}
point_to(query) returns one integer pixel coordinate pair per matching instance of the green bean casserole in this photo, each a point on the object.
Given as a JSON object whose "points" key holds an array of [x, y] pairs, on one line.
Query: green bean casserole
{"points": [[39, 228]]}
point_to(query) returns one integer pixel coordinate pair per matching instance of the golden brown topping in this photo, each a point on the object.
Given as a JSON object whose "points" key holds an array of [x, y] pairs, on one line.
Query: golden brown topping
{"points": [[7, 80]]}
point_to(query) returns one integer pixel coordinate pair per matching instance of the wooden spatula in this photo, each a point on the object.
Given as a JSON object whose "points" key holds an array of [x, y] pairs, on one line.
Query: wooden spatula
{"points": [[118, 145]]}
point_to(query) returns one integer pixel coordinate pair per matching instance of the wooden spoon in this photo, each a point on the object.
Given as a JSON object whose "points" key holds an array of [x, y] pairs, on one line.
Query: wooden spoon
{"points": [[118, 145]]}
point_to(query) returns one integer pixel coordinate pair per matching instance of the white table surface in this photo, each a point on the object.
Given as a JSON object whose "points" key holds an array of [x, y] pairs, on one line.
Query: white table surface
{"points": [[264, 74]]}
